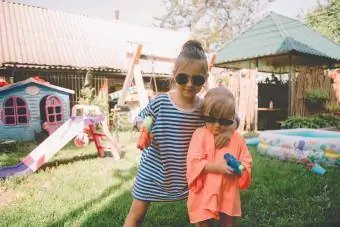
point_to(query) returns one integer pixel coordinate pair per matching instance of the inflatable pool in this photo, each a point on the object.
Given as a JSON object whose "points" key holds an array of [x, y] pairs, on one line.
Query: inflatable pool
{"points": [[297, 144], [252, 141]]}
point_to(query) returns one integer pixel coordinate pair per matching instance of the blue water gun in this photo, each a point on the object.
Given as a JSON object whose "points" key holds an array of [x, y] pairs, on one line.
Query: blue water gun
{"points": [[235, 164]]}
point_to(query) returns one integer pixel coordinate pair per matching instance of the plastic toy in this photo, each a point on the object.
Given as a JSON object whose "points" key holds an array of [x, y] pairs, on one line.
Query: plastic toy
{"points": [[83, 116], [314, 167], [145, 137], [32, 107], [235, 164]]}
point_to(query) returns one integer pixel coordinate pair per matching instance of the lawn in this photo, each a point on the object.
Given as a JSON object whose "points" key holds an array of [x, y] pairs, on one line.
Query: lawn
{"points": [[77, 188]]}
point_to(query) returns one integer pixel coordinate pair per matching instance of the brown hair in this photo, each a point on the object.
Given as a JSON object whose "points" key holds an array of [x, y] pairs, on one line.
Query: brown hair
{"points": [[219, 102], [191, 50]]}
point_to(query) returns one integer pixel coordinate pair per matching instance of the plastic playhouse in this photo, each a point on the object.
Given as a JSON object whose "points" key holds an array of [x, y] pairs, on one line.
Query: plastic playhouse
{"points": [[81, 127]]}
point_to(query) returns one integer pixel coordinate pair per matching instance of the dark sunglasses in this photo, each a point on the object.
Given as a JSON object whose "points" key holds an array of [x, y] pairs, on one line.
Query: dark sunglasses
{"points": [[222, 121], [197, 80]]}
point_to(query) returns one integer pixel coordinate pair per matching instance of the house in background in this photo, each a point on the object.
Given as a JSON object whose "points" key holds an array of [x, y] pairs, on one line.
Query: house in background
{"points": [[31, 106], [60, 47]]}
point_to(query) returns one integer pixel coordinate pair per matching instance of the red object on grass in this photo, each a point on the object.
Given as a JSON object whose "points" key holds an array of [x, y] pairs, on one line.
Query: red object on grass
{"points": [[3, 82]]}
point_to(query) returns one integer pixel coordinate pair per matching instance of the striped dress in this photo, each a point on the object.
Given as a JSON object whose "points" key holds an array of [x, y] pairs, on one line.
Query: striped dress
{"points": [[162, 172]]}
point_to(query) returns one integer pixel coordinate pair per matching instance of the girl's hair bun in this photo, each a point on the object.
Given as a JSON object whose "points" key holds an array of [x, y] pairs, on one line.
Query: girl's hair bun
{"points": [[190, 44]]}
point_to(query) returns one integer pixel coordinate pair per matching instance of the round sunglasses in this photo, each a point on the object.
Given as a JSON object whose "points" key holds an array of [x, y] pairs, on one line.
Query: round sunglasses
{"points": [[197, 80], [222, 121]]}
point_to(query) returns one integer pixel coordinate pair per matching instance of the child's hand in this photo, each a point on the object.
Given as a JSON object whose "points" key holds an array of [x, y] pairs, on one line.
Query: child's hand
{"points": [[144, 139], [224, 168], [222, 139], [228, 170]]}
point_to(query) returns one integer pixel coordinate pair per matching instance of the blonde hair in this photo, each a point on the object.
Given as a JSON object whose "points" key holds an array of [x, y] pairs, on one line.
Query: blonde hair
{"points": [[219, 102]]}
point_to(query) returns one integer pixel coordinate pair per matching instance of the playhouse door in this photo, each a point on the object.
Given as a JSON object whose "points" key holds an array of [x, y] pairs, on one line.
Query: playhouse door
{"points": [[53, 114]]}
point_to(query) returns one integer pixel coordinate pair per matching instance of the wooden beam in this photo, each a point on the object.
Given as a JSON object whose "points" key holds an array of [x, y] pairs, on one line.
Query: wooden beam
{"points": [[152, 57], [129, 76]]}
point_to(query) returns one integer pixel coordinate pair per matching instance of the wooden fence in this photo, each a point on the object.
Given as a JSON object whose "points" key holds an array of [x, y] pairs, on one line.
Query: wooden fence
{"points": [[307, 78]]}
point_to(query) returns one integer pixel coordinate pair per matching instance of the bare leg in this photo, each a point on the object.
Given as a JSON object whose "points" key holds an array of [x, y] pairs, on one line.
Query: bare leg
{"points": [[207, 223], [226, 220], [136, 214]]}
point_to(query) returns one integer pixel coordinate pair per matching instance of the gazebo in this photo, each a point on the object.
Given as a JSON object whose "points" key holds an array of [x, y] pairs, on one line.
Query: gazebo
{"points": [[282, 45]]}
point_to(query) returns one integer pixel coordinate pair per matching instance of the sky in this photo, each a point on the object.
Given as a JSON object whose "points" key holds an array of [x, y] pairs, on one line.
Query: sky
{"points": [[141, 12]]}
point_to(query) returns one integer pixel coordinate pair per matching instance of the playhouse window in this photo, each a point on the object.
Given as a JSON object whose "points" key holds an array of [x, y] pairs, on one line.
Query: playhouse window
{"points": [[15, 111], [53, 109]]}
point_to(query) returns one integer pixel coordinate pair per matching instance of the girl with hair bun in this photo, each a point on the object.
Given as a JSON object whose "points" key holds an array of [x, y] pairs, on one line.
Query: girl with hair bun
{"points": [[176, 115]]}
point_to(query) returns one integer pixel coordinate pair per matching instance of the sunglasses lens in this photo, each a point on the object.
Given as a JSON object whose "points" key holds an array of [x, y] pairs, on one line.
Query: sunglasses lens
{"points": [[225, 122], [198, 80], [181, 79]]}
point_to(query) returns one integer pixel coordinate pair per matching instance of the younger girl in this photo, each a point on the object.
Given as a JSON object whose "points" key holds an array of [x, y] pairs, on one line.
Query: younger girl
{"points": [[214, 189]]}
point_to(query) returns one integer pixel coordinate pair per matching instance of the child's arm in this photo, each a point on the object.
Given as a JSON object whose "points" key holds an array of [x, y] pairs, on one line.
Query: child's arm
{"points": [[196, 160], [221, 168], [247, 161], [150, 111]]}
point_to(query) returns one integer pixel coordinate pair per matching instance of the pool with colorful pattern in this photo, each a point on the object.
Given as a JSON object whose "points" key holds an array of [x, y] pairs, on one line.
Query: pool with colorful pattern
{"points": [[297, 144]]}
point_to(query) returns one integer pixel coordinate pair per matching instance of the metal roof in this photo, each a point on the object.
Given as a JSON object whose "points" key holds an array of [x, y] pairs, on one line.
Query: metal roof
{"points": [[276, 34], [37, 37]]}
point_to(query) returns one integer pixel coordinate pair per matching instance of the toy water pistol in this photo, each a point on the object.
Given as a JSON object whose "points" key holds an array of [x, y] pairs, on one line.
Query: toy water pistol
{"points": [[145, 133], [235, 164], [313, 166]]}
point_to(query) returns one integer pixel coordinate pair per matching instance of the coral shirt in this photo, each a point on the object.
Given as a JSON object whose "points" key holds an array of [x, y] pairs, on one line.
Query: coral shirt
{"points": [[212, 193]]}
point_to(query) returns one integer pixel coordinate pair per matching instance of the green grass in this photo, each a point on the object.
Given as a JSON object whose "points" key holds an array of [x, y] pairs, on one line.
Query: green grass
{"points": [[76, 188]]}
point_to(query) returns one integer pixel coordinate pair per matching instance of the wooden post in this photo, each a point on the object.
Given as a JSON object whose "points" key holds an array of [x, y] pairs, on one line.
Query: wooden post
{"points": [[256, 97], [129, 76], [141, 92], [291, 87]]}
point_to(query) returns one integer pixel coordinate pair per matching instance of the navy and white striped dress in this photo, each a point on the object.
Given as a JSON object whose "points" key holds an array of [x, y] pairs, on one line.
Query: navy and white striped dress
{"points": [[162, 172]]}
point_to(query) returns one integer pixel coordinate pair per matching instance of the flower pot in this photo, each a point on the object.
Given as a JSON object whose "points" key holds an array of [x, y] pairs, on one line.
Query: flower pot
{"points": [[315, 105]]}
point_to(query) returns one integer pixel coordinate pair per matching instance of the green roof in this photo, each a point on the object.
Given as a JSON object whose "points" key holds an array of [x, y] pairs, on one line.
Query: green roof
{"points": [[275, 35]]}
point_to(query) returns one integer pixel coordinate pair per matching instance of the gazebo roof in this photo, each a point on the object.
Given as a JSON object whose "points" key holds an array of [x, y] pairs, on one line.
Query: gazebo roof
{"points": [[277, 41]]}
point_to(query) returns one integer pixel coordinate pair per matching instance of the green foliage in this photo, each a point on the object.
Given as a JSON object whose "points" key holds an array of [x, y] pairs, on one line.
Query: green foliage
{"points": [[333, 107], [326, 19], [212, 22], [317, 95], [88, 95], [316, 121]]}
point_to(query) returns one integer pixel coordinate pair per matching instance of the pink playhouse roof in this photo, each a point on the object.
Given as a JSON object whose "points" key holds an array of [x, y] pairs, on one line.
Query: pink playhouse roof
{"points": [[36, 81]]}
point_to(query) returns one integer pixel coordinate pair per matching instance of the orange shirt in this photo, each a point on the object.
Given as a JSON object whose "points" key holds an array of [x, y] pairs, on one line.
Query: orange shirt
{"points": [[212, 193]]}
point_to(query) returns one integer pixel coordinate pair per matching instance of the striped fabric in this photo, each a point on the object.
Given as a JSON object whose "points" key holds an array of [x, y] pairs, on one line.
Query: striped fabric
{"points": [[161, 175]]}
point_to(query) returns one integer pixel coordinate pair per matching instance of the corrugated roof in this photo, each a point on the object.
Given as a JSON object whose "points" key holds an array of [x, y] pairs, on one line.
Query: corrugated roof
{"points": [[277, 34], [42, 37], [33, 80]]}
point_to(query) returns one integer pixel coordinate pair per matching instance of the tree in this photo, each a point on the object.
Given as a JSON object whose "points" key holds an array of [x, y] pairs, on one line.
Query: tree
{"points": [[88, 94], [213, 22], [325, 18]]}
